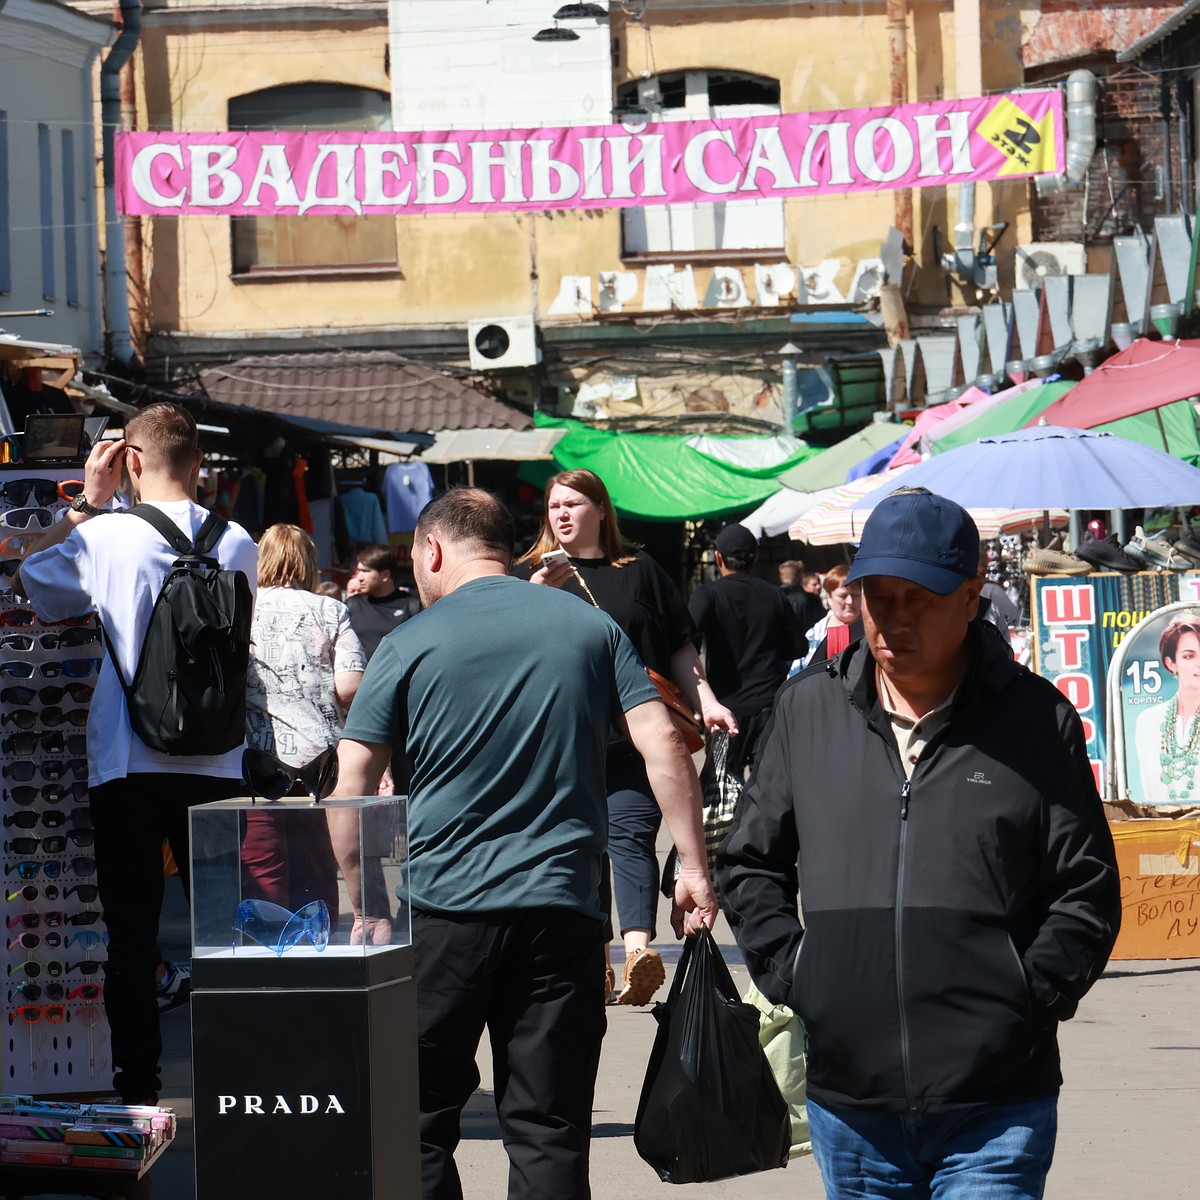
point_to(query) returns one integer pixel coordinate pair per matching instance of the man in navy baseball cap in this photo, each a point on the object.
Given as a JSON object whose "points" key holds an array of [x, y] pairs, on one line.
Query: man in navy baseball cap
{"points": [[933, 803]]}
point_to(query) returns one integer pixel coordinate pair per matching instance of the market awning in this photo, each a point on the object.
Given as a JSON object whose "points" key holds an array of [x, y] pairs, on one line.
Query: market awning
{"points": [[655, 477], [478, 445]]}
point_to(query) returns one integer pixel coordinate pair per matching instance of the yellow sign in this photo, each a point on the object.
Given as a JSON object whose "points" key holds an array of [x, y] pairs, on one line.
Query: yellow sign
{"points": [[1028, 145]]}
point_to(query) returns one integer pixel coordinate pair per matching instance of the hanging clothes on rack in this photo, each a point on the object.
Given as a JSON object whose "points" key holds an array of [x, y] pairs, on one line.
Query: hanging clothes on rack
{"points": [[364, 516], [407, 488]]}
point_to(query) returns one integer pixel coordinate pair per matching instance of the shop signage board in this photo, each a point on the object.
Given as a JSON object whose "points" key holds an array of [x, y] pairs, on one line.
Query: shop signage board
{"points": [[290, 173], [1078, 623]]}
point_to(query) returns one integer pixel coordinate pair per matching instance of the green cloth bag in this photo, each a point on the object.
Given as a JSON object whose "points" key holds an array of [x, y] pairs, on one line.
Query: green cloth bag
{"points": [[781, 1035]]}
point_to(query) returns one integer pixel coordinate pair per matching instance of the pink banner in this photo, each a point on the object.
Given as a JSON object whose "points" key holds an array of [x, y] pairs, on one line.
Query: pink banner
{"points": [[602, 166]]}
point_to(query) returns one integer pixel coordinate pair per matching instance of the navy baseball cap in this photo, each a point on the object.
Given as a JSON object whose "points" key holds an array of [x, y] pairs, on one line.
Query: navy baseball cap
{"points": [[921, 537], [736, 539]]}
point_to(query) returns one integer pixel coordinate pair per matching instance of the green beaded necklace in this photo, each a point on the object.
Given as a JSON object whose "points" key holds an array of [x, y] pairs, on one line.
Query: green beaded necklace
{"points": [[1178, 762]]}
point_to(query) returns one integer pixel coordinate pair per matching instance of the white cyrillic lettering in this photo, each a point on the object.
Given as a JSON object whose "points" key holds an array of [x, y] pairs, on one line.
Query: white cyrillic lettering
{"points": [[903, 151], [254, 1105], [547, 172], [768, 153], [430, 170], [141, 175], [380, 160], [209, 162], [275, 171], [344, 195], [836, 154], [695, 168], [648, 157], [308, 1105], [593, 168], [224, 1104], [957, 133], [484, 157], [281, 1106], [334, 1106]]}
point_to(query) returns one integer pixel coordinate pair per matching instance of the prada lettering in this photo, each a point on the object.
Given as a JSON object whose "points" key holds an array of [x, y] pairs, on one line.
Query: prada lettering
{"points": [[269, 1106]]}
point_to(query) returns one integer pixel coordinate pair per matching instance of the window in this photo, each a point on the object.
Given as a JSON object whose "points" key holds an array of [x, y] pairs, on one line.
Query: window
{"points": [[46, 210], [312, 244], [731, 228], [5, 218], [70, 234]]}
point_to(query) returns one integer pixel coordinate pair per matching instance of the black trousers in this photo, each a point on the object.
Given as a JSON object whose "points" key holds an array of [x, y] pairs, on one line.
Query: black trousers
{"points": [[132, 817], [533, 980]]}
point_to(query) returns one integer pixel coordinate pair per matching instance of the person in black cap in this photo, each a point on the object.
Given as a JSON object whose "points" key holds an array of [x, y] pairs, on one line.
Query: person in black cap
{"points": [[750, 637], [932, 804]]}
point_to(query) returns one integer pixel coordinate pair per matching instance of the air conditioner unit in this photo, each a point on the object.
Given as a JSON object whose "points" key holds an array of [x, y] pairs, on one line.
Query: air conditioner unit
{"points": [[1039, 259], [498, 343]]}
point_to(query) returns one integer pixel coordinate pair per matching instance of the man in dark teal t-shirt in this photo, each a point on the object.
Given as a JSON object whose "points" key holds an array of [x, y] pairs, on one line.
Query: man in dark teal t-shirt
{"points": [[501, 695]]}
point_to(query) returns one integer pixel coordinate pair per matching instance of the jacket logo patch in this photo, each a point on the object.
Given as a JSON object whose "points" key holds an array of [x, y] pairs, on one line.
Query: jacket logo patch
{"points": [[979, 777]]}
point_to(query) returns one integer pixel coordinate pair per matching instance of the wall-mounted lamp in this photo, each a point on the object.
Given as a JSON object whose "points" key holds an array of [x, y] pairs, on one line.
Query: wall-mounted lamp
{"points": [[556, 35]]}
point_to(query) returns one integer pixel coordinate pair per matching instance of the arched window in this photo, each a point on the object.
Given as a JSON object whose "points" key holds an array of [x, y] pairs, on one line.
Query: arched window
{"points": [[312, 244], [731, 228]]}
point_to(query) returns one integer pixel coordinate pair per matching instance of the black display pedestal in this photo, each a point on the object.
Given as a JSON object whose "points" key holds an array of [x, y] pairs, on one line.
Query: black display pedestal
{"points": [[305, 1076]]}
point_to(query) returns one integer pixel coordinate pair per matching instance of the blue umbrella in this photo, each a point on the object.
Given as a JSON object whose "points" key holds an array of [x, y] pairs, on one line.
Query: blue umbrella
{"points": [[1050, 466]]}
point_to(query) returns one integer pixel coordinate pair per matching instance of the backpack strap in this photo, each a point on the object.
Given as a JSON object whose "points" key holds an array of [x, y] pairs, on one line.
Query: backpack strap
{"points": [[207, 535]]}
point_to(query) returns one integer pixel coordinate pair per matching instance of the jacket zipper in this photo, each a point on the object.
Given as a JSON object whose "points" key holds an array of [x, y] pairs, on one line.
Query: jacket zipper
{"points": [[904, 1049]]}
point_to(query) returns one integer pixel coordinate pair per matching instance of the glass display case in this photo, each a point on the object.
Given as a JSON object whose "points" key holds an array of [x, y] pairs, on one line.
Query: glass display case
{"points": [[289, 880]]}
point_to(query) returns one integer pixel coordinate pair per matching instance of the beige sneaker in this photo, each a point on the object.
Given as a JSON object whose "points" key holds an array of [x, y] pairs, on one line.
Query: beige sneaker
{"points": [[644, 975], [610, 985]]}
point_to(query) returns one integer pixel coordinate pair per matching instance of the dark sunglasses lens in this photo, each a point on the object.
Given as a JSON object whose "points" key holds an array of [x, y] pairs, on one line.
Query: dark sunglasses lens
{"points": [[18, 695], [28, 518], [20, 643], [79, 668], [22, 719], [20, 771], [81, 866], [16, 616], [87, 892], [22, 795], [17, 670], [19, 743], [78, 637], [22, 820]]}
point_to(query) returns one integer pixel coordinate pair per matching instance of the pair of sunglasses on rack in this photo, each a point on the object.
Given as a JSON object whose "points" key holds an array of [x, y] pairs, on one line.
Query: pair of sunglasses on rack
{"points": [[26, 616], [52, 869], [31, 1014], [51, 793], [87, 893], [52, 920], [51, 741], [81, 693], [23, 643], [27, 518], [52, 818], [31, 941], [54, 968], [54, 843], [53, 714], [72, 668], [52, 769], [40, 491]]}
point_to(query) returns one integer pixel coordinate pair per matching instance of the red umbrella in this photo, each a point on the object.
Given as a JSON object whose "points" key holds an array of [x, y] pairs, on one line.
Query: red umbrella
{"points": [[1143, 376]]}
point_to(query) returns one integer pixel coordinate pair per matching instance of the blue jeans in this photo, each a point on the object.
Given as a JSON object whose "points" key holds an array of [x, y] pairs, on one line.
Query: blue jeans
{"points": [[996, 1152]]}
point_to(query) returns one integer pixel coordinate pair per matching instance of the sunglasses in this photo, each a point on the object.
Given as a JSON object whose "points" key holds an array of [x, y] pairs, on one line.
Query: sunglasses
{"points": [[85, 966], [17, 616], [87, 892], [22, 643], [40, 491], [31, 1014], [278, 928], [31, 941], [31, 893], [81, 693], [52, 868], [86, 937], [53, 793], [271, 779], [34, 969], [31, 920], [26, 518], [89, 1014], [72, 668], [35, 991], [85, 991], [54, 844], [17, 545], [51, 818], [23, 772]]}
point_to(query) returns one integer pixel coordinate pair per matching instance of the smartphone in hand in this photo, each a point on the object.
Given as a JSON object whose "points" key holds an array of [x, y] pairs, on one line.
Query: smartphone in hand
{"points": [[557, 557]]}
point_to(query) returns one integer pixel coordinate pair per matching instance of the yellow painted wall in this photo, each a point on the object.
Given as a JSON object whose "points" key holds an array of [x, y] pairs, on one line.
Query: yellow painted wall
{"points": [[453, 268]]}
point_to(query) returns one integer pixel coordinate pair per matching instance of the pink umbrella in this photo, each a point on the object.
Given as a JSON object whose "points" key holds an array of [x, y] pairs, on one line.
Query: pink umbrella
{"points": [[1144, 376]]}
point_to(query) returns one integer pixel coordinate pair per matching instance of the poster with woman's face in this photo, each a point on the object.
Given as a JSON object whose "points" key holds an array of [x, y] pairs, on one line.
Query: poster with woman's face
{"points": [[1160, 704]]}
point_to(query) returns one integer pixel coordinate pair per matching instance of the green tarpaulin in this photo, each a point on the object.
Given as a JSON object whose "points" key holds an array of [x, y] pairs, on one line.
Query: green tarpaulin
{"points": [[829, 468], [1014, 413], [657, 477]]}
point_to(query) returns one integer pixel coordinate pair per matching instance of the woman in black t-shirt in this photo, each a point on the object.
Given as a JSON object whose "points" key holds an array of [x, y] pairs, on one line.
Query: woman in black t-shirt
{"points": [[615, 575]]}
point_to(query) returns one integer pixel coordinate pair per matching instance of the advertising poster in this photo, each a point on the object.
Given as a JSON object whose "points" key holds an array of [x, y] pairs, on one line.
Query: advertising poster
{"points": [[1079, 623], [1160, 703]]}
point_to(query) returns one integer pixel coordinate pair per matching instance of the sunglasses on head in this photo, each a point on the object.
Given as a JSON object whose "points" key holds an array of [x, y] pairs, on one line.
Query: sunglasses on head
{"points": [[27, 518], [40, 491]]}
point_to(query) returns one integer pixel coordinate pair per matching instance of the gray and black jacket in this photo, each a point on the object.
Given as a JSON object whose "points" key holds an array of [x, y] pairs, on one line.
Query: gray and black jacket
{"points": [[950, 922]]}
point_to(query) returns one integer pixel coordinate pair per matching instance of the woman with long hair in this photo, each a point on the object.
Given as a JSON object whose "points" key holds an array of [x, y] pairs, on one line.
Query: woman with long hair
{"points": [[1167, 736], [612, 572], [306, 664]]}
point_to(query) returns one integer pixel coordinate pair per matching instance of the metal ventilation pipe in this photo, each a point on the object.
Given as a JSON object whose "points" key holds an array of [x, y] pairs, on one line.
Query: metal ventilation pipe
{"points": [[116, 286], [1081, 134]]}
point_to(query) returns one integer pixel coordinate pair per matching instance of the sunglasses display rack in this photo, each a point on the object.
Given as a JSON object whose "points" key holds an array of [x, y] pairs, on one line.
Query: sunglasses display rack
{"points": [[55, 1036]]}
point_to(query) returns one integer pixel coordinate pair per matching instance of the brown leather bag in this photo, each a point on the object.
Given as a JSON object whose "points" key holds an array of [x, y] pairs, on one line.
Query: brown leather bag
{"points": [[686, 721]]}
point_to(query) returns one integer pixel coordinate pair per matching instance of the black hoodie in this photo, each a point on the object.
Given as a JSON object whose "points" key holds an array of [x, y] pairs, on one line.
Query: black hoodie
{"points": [[949, 922]]}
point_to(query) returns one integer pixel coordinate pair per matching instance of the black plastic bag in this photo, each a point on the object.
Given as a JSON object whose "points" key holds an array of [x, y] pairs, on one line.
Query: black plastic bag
{"points": [[710, 1107]]}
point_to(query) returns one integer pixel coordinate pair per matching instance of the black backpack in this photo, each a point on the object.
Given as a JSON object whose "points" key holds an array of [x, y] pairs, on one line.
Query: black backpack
{"points": [[188, 695]]}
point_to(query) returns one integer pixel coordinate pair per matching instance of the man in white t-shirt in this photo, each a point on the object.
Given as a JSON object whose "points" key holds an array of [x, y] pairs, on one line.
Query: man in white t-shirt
{"points": [[139, 797]]}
